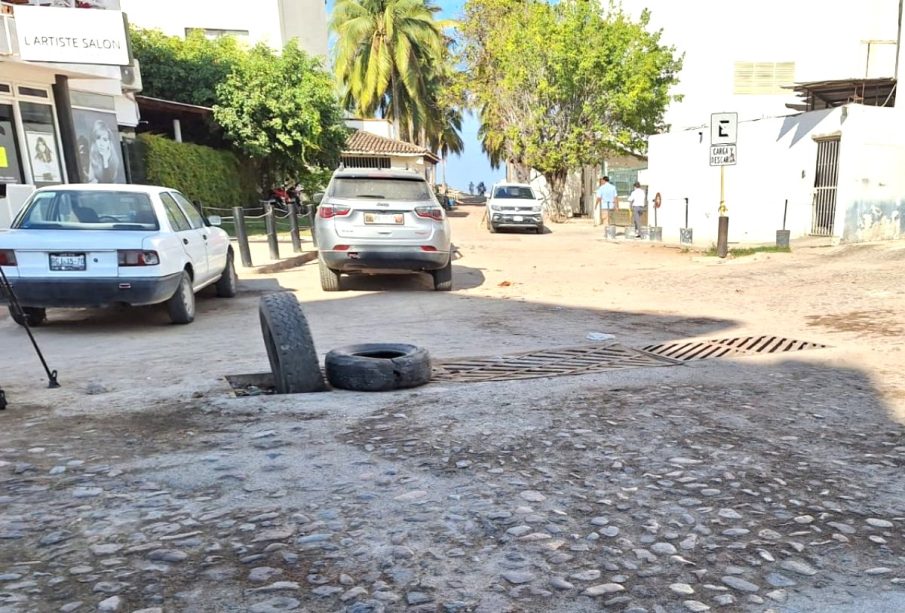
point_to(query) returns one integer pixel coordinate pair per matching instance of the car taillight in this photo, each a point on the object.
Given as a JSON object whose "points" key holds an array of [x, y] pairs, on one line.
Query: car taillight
{"points": [[135, 257], [429, 212], [328, 211], [7, 257]]}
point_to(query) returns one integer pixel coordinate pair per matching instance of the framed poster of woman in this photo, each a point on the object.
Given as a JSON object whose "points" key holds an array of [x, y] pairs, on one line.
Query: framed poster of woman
{"points": [[42, 152]]}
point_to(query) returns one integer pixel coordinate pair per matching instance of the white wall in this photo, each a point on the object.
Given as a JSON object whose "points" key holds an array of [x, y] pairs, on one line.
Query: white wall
{"points": [[825, 39], [870, 203], [776, 161], [262, 19]]}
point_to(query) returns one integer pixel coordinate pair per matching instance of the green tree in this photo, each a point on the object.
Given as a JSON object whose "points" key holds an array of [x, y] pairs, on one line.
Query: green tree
{"points": [[387, 56], [281, 110], [560, 85], [186, 70]]}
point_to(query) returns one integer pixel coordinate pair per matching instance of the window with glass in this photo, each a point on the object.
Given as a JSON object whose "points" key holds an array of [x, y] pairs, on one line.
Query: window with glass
{"points": [[178, 221], [87, 210], [380, 188], [190, 211], [41, 143], [10, 161]]}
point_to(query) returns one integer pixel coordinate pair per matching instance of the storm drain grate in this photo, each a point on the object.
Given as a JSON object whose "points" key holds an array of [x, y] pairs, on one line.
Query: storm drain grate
{"points": [[546, 363], [686, 351]]}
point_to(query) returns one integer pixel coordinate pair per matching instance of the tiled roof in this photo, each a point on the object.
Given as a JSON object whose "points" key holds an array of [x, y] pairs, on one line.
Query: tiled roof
{"points": [[361, 142]]}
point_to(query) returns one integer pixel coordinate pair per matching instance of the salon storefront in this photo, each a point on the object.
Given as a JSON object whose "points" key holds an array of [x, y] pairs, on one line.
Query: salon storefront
{"points": [[63, 110]]}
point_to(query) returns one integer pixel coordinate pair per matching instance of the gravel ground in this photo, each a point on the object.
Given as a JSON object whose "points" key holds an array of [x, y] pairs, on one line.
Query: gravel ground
{"points": [[747, 484]]}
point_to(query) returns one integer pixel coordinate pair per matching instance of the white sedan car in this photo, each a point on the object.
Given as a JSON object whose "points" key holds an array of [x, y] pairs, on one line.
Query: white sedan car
{"points": [[103, 245]]}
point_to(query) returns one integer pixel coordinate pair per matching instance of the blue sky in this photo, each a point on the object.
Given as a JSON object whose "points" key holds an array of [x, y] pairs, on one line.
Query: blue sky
{"points": [[472, 165]]}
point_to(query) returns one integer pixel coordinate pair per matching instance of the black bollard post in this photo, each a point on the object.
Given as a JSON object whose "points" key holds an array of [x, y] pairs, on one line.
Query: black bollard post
{"points": [[242, 236], [722, 237], [271, 225], [294, 228]]}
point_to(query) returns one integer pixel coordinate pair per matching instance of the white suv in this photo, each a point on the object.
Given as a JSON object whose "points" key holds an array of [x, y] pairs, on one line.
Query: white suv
{"points": [[514, 205], [379, 221]]}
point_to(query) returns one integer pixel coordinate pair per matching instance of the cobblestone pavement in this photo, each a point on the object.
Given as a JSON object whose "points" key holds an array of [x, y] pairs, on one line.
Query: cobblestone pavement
{"points": [[761, 483], [766, 492]]}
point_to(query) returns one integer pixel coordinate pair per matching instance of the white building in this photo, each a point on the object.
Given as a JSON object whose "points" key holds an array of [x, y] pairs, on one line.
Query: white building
{"points": [[738, 56], [62, 97], [838, 165], [274, 22]]}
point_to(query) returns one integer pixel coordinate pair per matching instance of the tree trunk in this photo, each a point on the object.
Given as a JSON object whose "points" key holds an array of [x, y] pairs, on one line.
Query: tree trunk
{"points": [[556, 182], [397, 124]]}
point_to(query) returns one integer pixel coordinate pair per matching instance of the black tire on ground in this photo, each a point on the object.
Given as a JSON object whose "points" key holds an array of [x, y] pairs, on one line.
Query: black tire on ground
{"points": [[33, 316], [181, 306], [329, 277], [228, 285], [443, 277], [290, 348], [540, 229], [490, 227], [378, 367]]}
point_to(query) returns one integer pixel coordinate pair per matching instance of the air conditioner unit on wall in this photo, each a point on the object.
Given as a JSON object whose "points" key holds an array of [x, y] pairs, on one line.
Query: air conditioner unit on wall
{"points": [[131, 77]]}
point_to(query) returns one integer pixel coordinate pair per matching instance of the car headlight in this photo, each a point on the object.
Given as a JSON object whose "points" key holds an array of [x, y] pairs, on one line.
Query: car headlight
{"points": [[535, 209], [494, 207]]}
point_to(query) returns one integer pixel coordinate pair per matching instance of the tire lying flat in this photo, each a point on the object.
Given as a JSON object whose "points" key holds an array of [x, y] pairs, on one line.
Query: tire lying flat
{"points": [[378, 367], [290, 348]]}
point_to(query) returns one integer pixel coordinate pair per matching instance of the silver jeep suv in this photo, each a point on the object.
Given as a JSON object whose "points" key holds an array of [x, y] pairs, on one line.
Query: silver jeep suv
{"points": [[381, 221]]}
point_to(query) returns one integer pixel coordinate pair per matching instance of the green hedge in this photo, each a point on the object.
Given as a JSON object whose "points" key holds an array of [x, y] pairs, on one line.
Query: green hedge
{"points": [[214, 177]]}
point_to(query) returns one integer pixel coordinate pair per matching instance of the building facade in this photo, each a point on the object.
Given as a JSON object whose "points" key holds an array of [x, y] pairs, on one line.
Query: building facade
{"points": [[274, 22], [821, 132], [65, 100], [741, 56]]}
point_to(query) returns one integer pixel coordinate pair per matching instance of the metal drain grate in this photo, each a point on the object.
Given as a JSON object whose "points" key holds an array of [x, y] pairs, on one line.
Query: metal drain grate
{"points": [[546, 363], [686, 351]]}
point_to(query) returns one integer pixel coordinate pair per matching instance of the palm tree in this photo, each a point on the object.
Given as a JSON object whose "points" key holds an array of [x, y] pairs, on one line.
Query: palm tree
{"points": [[384, 55]]}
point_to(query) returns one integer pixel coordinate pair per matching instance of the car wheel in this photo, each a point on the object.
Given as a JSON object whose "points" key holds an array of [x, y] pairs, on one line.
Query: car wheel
{"points": [[443, 277], [228, 285], [490, 227], [181, 306], [540, 229], [378, 367], [290, 348], [330, 279], [32, 316]]}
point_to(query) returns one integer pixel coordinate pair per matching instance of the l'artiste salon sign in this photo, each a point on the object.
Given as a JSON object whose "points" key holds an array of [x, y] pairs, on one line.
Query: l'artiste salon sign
{"points": [[73, 36]]}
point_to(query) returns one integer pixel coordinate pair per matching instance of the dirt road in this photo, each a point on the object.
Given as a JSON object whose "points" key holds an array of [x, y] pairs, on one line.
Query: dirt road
{"points": [[765, 482]]}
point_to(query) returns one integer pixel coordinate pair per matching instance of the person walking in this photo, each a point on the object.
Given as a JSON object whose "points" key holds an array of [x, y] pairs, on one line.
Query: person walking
{"points": [[606, 199], [638, 200], [470, 188]]}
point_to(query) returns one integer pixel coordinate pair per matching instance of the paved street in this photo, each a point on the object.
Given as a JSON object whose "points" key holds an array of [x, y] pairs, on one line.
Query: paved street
{"points": [[742, 483]]}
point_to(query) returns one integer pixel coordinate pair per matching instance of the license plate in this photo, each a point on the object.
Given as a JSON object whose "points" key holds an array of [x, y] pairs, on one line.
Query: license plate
{"points": [[518, 218], [387, 219], [67, 261]]}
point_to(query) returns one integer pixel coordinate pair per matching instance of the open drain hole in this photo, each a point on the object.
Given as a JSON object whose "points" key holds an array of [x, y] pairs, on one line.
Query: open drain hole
{"points": [[253, 384]]}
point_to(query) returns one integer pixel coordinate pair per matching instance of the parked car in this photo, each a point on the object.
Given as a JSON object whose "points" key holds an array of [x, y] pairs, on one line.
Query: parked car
{"points": [[103, 245], [381, 221], [514, 205]]}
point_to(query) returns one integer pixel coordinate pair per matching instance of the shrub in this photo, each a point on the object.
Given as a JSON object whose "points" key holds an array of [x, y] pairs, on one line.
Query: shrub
{"points": [[214, 177]]}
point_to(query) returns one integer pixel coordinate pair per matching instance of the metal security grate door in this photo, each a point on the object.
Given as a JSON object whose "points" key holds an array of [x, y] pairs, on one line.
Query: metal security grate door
{"points": [[825, 179]]}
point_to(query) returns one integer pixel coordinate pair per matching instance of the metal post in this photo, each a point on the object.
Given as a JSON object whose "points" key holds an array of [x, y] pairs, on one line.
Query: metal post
{"points": [[785, 212], [686, 212], [271, 227], [782, 236], [722, 236], [242, 236], [294, 228]]}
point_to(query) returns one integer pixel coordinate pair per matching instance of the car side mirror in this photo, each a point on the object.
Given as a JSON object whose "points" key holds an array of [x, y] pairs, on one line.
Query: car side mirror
{"points": [[214, 220], [318, 197]]}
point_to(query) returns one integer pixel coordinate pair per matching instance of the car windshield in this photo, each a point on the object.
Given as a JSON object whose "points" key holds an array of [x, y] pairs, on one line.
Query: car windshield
{"points": [[88, 210], [513, 191], [380, 189]]}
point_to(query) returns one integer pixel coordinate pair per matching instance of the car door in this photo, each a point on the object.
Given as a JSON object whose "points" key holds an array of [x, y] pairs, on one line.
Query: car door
{"points": [[215, 243], [192, 242]]}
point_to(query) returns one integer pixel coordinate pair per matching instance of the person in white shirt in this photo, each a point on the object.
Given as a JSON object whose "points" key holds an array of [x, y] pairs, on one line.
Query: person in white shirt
{"points": [[638, 200]]}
